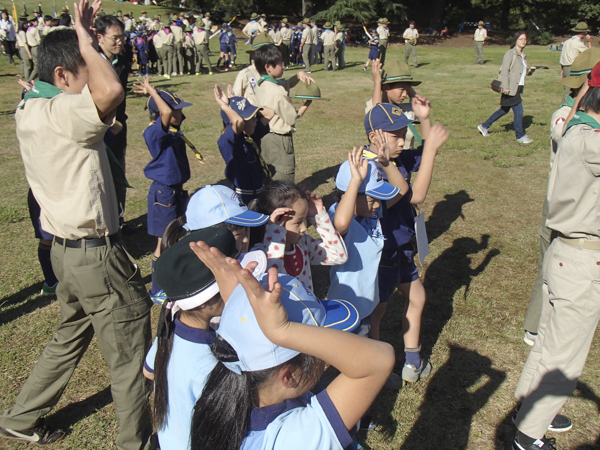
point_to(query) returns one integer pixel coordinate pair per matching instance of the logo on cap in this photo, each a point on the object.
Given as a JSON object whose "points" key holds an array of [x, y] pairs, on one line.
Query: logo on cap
{"points": [[241, 105], [396, 111]]}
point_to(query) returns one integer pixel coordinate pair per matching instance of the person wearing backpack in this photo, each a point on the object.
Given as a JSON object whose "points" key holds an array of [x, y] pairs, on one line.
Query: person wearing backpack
{"points": [[513, 71]]}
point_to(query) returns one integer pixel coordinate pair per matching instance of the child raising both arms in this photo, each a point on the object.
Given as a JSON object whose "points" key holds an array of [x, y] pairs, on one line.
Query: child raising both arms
{"points": [[288, 247]]}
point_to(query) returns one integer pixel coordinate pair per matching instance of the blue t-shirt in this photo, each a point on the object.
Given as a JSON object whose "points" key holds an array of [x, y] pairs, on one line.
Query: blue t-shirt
{"points": [[309, 422], [169, 163], [224, 37], [190, 364], [242, 163], [375, 45], [356, 279], [398, 222]]}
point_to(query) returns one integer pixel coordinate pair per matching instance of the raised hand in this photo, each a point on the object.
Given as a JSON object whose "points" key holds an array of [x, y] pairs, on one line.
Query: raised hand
{"points": [[84, 14], [359, 167], [421, 107], [376, 70], [304, 78], [315, 204], [220, 96], [280, 216], [143, 86], [381, 147], [437, 136], [230, 92]]}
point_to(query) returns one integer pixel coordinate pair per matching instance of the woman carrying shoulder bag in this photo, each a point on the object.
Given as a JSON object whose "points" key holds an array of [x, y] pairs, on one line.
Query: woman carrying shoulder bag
{"points": [[514, 69]]}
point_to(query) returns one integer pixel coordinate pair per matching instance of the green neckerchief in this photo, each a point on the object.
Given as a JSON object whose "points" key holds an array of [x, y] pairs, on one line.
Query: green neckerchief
{"points": [[570, 102], [47, 90], [266, 78], [582, 118]]}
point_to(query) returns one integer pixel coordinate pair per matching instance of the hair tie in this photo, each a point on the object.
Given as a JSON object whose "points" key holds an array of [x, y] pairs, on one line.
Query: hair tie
{"points": [[234, 366]]}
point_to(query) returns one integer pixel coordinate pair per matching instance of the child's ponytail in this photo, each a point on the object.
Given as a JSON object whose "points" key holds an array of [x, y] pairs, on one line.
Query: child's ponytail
{"points": [[161, 361], [172, 231]]}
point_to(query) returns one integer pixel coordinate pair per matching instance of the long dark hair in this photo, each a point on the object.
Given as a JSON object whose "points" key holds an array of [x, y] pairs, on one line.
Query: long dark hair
{"points": [[516, 36], [221, 415], [161, 362], [591, 100], [276, 194]]}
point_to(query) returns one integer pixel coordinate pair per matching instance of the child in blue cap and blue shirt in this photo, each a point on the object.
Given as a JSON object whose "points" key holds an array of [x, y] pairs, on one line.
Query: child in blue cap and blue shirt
{"points": [[239, 143], [361, 190], [273, 342], [169, 168], [397, 269]]}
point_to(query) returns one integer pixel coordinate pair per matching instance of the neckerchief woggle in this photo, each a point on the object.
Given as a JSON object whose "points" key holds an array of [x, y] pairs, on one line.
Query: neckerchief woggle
{"points": [[192, 147], [47, 90], [582, 118]]}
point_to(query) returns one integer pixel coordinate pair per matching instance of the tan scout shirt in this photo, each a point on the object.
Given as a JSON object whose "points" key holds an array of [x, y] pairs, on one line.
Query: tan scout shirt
{"points": [[177, 34], [286, 34], [574, 207], [410, 34], [200, 36], [315, 35], [328, 37], [159, 40], [246, 82], [21, 38], [275, 96], [571, 50], [66, 165], [383, 32], [307, 36], [557, 124], [33, 37], [480, 35], [47, 29], [167, 39], [276, 36]]}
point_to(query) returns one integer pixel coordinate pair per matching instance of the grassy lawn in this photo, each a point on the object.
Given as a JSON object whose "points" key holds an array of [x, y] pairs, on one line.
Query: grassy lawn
{"points": [[482, 213]]}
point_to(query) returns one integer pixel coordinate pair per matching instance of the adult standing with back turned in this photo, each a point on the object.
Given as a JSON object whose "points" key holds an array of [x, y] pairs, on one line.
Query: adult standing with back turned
{"points": [[571, 49], [60, 127]]}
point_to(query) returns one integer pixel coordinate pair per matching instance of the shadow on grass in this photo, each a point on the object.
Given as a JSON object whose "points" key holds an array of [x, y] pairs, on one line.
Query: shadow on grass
{"points": [[31, 303], [445, 213], [527, 122], [446, 275], [506, 430], [457, 390], [319, 178], [68, 416], [138, 242]]}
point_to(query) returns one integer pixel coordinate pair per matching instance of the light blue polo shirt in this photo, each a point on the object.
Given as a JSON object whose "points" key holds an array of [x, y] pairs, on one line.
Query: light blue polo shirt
{"points": [[309, 422], [190, 364], [356, 279]]}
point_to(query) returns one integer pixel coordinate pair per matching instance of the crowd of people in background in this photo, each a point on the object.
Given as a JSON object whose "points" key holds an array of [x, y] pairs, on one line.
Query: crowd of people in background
{"points": [[241, 252]]}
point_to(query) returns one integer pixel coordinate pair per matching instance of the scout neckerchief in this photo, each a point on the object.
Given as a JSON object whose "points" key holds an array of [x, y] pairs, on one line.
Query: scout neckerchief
{"points": [[582, 118], [47, 90], [266, 78], [263, 164], [414, 131], [192, 147], [570, 102]]}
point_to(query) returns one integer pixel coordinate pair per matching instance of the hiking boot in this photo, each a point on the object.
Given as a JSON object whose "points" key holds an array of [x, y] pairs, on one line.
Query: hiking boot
{"points": [[411, 374], [530, 338], [40, 435], [394, 381], [483, 130], [539, 444]]}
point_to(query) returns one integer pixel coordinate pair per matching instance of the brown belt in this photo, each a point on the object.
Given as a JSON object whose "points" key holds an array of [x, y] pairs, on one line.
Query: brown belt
{"points": [[581, 243]]}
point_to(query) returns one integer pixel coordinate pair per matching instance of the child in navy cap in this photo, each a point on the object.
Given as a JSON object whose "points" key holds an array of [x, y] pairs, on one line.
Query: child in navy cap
{"points": [[397, 268], [239, 144], [361, 191], [169, 168], [272, 344], [373, 49]]}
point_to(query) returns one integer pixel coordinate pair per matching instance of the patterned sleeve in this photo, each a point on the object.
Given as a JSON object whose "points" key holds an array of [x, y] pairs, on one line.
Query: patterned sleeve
{"points": [[274, 246], [330, 250]]}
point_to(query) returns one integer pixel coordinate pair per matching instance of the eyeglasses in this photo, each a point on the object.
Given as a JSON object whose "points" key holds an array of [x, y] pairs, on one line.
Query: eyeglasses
{"points": [[115, 39]]}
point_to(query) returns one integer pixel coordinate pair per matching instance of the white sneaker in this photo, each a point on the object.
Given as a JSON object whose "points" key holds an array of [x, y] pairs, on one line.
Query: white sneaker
{"points": [[483, 130], [530, 338], [525, 140]]}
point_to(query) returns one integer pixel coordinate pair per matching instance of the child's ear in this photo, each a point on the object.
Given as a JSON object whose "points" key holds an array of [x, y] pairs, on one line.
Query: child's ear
{"points": [[371, 136], [286, 375]]}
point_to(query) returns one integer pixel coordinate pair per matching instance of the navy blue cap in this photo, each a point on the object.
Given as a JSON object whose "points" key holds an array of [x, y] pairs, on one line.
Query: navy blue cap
{"points": [[168, 96], [386, 117], [242, 106]]}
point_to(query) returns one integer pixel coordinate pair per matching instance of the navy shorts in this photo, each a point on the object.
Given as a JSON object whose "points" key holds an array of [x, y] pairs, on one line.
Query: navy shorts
{"points": [[165, 204], [224, 48], [34, 215], [396, 268]]}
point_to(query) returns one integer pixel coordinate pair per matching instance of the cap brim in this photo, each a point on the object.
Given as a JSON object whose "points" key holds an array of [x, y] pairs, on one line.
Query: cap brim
{"points": [[394, 80], [341, 315], [308, 97], [249, 219], [384, 192], [574, 82], [181, 105]]}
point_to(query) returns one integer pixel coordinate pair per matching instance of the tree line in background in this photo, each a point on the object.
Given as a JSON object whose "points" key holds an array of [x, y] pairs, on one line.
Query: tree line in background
{"points": [[538, 16]]}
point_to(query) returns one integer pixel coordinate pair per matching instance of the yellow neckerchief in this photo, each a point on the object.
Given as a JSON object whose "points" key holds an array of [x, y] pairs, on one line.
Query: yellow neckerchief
{"points": [[263, 164], [192, 147]]}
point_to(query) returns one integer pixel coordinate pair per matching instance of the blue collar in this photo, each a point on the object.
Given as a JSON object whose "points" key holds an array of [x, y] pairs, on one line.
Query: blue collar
{"points": [[260, 418], [195, 335]]}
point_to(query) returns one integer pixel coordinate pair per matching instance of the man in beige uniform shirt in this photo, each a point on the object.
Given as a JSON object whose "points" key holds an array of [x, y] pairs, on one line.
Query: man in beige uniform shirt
{"points": [[571, 49], [33, 40], [315, 41], [306, 44], [328, 37], [384, 34], [479, 37], [201, 41], [286, 41], [571, 294], [60, 128], [410, 43]]}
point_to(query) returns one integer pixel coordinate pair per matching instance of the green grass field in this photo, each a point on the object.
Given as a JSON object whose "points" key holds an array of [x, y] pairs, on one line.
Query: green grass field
{"points": [[482, 211]]}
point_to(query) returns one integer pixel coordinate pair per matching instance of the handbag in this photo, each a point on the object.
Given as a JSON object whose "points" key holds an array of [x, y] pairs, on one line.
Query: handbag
{"points": [[497, 82]]}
